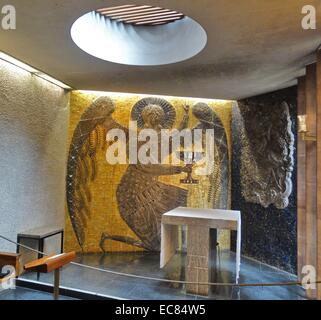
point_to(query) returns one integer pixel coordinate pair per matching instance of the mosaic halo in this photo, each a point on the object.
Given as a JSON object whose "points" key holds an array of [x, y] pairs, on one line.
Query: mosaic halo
{"points": [[170, 113]]}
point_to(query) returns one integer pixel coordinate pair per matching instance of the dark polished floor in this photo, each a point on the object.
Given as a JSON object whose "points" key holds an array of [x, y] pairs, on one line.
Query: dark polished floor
{"points": [[147, 264], [27, 294]]}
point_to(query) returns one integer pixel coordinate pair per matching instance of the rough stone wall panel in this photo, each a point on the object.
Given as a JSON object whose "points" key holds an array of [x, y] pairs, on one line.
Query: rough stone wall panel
{"points": [[33, 143], [264, 176]]}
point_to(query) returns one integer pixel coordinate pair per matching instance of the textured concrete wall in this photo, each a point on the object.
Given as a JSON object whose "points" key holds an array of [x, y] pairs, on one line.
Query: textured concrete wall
{"points": [[33, 135]]}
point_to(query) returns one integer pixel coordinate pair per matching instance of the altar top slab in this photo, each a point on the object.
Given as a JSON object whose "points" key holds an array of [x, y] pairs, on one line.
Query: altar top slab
{"points": [[213, 218]]}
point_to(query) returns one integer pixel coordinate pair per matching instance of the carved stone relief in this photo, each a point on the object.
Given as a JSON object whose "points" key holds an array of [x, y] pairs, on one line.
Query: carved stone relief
{"points": [[267, 153]]}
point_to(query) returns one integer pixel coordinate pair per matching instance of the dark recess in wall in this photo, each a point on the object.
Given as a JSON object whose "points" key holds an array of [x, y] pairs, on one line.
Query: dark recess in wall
{"points": [[269, 234]]}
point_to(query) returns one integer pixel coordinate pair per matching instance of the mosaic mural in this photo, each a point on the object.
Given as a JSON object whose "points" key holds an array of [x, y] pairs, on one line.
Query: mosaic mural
{"points": [[119, 207]]}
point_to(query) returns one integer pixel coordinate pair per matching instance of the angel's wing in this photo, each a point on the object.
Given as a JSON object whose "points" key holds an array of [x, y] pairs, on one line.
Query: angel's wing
{"points": [[88, 137], [223, 171], [218, 191]]}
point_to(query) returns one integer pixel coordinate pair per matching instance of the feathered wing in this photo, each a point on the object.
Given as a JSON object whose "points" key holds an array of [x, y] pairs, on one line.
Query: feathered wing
{"points": [[88, 137], [223, 171]]}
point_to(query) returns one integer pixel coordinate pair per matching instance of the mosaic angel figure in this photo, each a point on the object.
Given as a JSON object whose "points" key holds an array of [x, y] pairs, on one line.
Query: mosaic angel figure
{"points": [[141, 197]]}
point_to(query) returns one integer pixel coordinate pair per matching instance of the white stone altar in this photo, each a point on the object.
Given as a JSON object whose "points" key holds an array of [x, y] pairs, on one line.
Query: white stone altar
{"points": [[198, 222]]}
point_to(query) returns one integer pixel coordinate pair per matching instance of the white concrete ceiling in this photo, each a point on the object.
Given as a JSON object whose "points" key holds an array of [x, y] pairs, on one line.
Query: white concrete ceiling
{"points": [[254, 46]]}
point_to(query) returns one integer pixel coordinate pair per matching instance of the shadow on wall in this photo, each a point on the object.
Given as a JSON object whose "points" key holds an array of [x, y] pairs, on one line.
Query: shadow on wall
{"points": [[264, 176]]}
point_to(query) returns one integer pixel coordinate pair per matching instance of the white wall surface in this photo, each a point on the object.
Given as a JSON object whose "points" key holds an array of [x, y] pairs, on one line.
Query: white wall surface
{"points": [[33, 149]]}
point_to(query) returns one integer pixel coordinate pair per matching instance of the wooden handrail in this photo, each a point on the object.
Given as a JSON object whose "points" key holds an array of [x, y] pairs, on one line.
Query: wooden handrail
{"points": [[51, 263]]}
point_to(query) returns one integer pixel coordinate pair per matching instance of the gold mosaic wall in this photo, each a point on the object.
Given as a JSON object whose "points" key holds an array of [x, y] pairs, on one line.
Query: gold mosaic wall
{"points": [[104, 210]]}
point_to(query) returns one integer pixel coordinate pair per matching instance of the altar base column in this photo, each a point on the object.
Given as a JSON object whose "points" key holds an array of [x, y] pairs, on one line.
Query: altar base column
{"points": [[198, 251]]}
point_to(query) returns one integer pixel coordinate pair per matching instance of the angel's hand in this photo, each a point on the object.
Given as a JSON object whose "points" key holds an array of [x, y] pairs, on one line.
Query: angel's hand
{"points": [[187, 169], [178, 169]]}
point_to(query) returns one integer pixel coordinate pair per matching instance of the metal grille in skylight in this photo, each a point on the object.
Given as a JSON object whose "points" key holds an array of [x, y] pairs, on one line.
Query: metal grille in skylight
{"points": [[141, 15]]}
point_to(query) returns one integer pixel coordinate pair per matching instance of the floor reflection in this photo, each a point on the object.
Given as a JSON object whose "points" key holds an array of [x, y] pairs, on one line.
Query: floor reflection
{"points": [[147, 264], [28, 294]]}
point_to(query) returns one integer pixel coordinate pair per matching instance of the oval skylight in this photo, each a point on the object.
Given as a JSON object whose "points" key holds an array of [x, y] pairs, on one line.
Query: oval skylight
{"points": [[139, 35]]}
